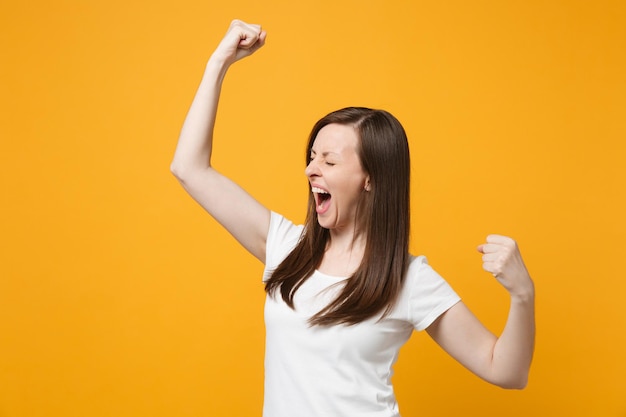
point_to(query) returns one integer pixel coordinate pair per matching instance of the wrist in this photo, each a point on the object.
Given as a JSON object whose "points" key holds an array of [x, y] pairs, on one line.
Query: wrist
{"points": [[219, 60], [216, 66], [524, 294]]}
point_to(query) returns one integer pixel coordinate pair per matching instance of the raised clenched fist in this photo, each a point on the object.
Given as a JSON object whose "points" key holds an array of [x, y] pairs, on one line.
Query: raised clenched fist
{"points": [[241, 40]]}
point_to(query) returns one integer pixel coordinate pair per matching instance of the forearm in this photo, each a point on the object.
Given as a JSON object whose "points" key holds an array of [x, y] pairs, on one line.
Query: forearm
{"points": [[513, 351], [195, 142]]}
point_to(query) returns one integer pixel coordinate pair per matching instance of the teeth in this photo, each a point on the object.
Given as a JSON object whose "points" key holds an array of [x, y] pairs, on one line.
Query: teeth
{"points": [[318, 190]]}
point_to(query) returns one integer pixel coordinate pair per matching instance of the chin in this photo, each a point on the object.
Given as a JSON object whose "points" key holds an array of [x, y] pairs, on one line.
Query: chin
{"points": [[325, 223]]}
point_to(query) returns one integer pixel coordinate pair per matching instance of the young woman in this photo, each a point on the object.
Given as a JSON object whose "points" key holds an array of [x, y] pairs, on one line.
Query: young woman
{"points": [[343, 293]]}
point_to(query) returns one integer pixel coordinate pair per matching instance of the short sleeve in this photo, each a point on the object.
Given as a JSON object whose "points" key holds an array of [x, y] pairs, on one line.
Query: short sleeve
{"points": [[429, 294], [282, 238]]}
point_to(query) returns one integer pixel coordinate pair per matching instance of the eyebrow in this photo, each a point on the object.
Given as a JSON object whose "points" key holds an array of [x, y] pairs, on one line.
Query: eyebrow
{"points": [[326, 153]]}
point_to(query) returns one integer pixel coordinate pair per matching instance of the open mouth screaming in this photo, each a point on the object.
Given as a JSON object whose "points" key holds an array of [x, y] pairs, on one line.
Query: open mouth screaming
{"points": [[322, 200]]}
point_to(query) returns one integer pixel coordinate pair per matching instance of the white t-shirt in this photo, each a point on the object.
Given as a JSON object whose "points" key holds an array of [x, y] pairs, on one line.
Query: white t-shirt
{"points": [[339, 370]]}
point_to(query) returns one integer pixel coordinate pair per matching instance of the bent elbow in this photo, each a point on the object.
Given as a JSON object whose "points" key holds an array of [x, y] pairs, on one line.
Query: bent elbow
{"points": [[175, 170], [187, 171], [515, 383], [179, 171]]}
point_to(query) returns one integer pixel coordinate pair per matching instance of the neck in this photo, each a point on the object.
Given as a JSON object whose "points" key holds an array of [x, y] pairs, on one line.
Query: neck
{"points": [[343, 255], [345, 242]]}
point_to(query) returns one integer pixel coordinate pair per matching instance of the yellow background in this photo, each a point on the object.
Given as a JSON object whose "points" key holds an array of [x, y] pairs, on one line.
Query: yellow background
{"points": [[120, 297]]}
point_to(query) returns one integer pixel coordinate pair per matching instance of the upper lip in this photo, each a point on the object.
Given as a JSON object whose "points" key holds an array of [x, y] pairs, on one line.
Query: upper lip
{"points": [[320, 187]]}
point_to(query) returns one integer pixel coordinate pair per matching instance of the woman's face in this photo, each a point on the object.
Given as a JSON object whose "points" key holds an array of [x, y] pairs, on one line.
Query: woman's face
{"points": [[336, 176]]}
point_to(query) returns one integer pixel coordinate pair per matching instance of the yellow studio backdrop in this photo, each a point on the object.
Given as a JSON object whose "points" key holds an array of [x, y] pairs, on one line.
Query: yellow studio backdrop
{"points": [[120, 297]]}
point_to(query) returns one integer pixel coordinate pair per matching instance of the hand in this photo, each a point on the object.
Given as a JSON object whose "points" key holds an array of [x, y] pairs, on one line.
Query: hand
{"points": [[241, 40], [502, 258]]}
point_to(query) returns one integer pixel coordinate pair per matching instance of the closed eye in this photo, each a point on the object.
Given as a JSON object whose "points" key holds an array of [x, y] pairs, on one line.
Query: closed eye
{"points": [[312, 158]]}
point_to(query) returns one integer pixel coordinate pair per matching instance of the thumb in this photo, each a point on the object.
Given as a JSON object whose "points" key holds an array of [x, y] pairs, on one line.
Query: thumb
{"points": [[481, 248]]}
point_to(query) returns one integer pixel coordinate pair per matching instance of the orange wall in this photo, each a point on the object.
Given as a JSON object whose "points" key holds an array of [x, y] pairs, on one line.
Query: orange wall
{"points": [[120, 297]]}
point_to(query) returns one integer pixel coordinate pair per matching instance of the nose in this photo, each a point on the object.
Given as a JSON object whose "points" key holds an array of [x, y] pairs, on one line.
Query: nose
{"points": [[312, 169]]}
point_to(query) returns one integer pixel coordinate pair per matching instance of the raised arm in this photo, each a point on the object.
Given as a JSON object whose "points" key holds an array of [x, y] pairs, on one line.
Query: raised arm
{"points": [[505, 360], [244, 217]]}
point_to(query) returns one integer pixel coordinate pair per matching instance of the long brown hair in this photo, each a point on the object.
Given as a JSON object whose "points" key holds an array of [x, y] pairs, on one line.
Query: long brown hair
{"points": [[382, 214]]}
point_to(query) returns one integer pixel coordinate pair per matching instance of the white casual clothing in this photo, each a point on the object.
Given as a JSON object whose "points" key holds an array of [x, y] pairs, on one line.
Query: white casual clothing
{"points": [[339, 370]]}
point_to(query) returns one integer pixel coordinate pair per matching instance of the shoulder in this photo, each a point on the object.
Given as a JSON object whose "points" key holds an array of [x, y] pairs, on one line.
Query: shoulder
{"points": [[420, 275], [282, 229], [426, 293], [282, 237], [419, 268]]}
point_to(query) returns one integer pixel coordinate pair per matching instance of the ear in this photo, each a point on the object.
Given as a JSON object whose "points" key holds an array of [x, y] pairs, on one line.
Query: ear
{"points": [[367, 186]]}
